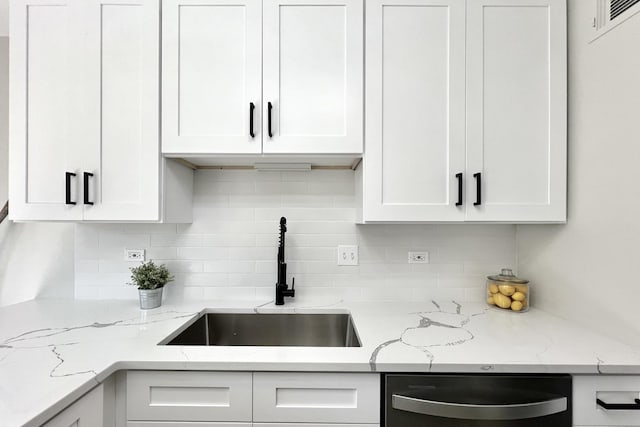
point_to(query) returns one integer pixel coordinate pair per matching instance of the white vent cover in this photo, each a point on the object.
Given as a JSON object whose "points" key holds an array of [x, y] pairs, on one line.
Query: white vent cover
{"points": [[611, 13]]}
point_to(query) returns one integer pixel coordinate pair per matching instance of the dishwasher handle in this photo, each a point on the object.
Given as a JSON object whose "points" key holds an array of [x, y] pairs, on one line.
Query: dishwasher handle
{"points": [[464, 411]]}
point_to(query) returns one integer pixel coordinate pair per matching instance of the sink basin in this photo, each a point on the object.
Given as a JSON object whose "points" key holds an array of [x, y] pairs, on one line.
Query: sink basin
{"points": [[252, 329]]}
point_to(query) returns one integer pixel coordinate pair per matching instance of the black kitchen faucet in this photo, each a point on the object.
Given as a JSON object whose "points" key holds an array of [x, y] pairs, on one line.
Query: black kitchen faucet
{"points": [[282, 289]]}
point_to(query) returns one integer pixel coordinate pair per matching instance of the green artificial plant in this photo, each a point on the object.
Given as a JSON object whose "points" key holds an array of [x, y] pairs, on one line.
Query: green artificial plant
{"points": [[150, 276]]}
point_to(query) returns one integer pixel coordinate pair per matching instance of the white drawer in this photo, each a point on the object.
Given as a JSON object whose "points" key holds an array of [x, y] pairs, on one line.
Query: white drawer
{"points": [[312, 425], [316, 397], [185, 424], [611, 389], [188, 396]]}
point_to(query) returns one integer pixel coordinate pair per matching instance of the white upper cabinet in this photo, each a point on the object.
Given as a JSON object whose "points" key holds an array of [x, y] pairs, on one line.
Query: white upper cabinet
{"points": [[415, 103], [516, 110], [212, 76], [501, 160], [84, 111], [119, 119], [313, 76], [44, 162]]}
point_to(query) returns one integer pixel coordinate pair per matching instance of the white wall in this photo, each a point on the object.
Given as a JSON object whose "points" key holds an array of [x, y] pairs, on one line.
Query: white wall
{"points": [[587, 270], [36, 260], [230, 249]]}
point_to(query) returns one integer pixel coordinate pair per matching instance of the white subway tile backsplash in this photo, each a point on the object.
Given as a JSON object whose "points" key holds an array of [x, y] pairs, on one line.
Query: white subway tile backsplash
{"points": [[230, 249]]}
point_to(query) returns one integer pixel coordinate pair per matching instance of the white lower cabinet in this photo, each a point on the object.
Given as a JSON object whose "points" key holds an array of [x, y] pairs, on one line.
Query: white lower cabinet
{"points": [[243, 399], [610, 389], [88, 411]]}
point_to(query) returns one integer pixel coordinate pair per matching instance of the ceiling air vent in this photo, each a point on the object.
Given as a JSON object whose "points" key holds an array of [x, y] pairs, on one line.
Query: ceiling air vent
{"points": [[611, 13], [618, 7]]}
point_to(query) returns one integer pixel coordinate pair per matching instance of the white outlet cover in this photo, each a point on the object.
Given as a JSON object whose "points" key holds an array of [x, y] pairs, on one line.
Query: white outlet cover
{"points": [[134, 255], [421, 257], [347, 255]]}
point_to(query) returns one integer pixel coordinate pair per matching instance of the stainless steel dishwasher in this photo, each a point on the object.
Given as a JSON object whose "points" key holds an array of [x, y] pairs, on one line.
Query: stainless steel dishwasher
{"points": [[480, 400]]}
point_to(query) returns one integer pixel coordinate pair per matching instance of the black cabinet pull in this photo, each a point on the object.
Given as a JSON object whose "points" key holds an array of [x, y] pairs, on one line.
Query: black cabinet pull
{"points": [[67, 185], [252, 108], [459, 176], [478, 177], [619, 406], [87, 175], [269, 109]]}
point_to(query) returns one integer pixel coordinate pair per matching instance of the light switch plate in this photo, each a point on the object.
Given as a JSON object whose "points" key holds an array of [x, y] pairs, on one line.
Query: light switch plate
{"points": [[347, 255]]}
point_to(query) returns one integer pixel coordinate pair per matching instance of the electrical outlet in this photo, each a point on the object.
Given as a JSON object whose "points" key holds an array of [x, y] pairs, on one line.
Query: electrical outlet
{"points": [[418, 257], [134, 255], [347, 255]]}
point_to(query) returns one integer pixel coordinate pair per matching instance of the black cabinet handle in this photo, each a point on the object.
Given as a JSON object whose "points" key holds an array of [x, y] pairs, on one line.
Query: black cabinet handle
{"points": [[67, 185], [252, 108], [619, 406], [269, 109], [87, 175], [459, 176], [478, 177]]}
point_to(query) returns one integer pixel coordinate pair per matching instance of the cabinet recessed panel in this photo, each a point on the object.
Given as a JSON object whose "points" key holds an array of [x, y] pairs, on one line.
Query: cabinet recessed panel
{"points": [[122, 104], [415, 108], [313, 75], [119, 119], [47, 102], [312, 70], [516, 74], [212, 74], [516, 110]]}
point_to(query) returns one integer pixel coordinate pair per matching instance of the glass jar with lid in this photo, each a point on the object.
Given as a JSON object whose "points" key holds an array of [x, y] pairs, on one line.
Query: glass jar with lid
{"points": [[508, 292]]}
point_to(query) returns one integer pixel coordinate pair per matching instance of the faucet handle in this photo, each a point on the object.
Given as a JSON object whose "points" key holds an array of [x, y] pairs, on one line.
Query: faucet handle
{"points": [[293, 283]]}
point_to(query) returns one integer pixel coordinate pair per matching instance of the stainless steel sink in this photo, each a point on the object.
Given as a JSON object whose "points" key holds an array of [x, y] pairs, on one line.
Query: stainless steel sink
{"points": [[251, 329]]}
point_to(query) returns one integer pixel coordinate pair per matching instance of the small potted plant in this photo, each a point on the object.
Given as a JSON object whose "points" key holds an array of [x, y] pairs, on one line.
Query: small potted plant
{"points": [[150, 279]]}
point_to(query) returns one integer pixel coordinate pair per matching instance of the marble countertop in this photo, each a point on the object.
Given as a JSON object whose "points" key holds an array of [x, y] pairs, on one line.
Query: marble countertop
{"points": [[52, 352]]}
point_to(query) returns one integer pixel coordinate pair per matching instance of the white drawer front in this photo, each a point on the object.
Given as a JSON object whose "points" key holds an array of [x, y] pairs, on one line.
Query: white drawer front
{"points": [[185, 424], [188, 396], [611, 389], [311, 397], [312, 425]]}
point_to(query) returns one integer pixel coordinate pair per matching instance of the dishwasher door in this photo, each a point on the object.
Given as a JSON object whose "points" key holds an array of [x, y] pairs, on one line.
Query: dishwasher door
{"points": [[477, 400]]}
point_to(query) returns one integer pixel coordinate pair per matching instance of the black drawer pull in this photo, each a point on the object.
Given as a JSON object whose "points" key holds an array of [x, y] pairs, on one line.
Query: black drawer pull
{"points": [[478, 177], [252, 108], [269, 109], [87, 175], [67, 186], [459, 202], [619, 406]]}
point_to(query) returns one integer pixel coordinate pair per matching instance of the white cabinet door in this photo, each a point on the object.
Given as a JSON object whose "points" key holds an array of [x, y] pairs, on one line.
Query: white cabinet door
{"points": [[120, 114], [313, 76], [415, 110], [88, 411], [43, 71], [516, 110], [212, 76]]}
